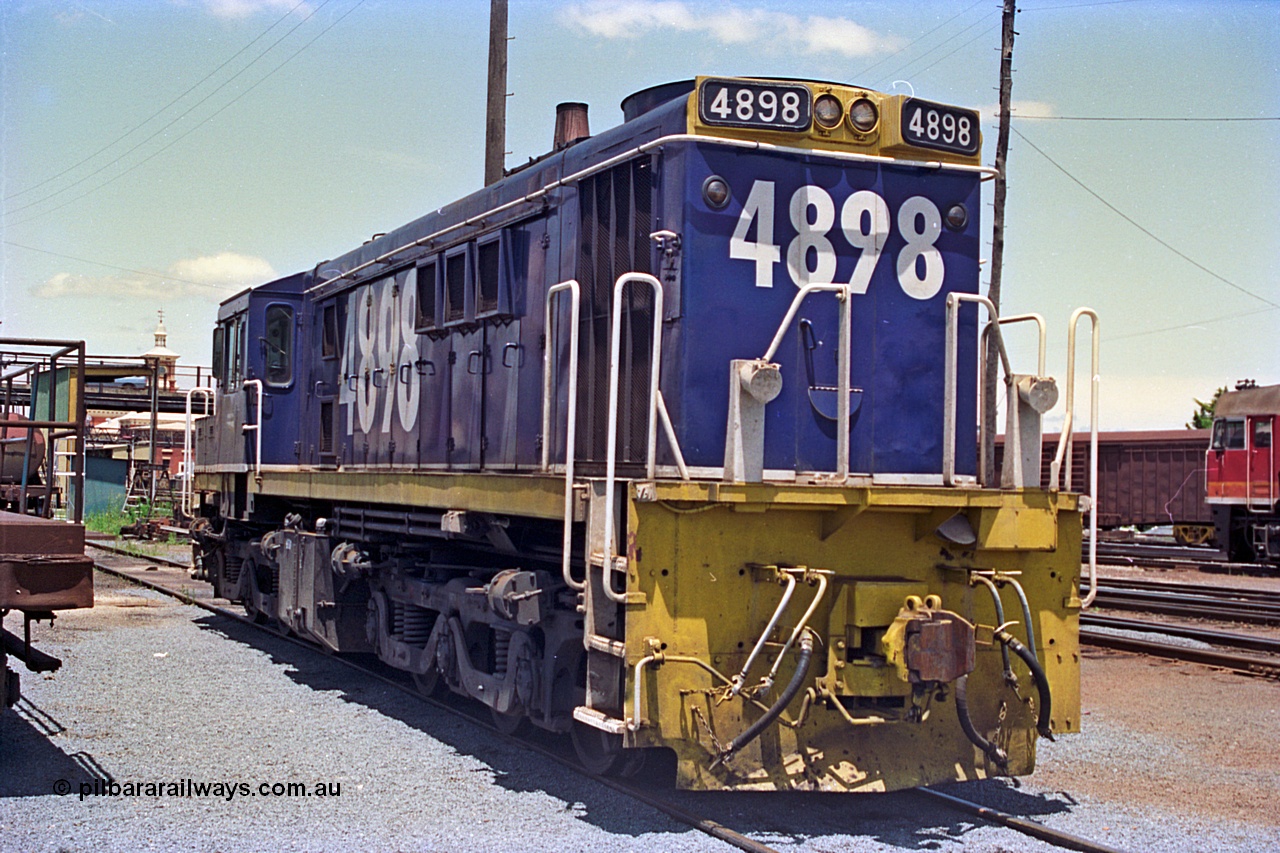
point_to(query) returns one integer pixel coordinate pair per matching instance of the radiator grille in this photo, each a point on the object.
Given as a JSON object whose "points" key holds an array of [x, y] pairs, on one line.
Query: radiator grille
{"points": [[616, 210]]}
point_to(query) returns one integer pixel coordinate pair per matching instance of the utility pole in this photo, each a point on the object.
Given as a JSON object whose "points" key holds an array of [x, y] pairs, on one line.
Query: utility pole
{"points": [[991, 368], [495, 128]]}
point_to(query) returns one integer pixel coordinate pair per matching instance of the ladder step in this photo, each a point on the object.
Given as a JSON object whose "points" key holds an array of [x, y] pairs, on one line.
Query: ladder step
{"points": [[595, 642], [598, 720]]}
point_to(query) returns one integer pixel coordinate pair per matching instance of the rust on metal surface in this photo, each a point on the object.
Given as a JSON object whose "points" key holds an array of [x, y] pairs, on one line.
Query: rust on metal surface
{"points": [[42, 564], [29, 534], [940, 646], [45, 582]]}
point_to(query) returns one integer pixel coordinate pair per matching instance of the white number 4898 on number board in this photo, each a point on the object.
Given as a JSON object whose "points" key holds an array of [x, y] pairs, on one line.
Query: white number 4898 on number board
{"points": [[865, 222]]}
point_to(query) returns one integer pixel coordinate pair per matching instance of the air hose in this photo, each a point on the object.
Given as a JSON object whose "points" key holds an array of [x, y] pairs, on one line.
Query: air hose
{"points": [[1042, 682], [793, 687], [995, 753]]}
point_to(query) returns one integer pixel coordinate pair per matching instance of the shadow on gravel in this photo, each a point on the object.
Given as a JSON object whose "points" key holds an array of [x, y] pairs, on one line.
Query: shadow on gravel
{"points": [[905, 820], [31, 765]]}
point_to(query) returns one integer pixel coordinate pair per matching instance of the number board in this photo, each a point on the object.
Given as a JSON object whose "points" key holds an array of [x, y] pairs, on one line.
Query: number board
{"points": [[929, 125], [769, 106]]}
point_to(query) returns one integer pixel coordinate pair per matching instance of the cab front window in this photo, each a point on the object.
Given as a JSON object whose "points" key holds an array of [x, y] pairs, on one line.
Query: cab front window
{"points": [[1228, 434]]}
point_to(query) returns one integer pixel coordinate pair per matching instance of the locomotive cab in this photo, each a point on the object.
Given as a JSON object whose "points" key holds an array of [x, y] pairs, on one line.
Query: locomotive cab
{"points": [[1242, 485]]}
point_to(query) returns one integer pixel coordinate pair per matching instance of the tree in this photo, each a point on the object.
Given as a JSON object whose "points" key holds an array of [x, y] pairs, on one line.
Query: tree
{"points": [[1202, 417]]}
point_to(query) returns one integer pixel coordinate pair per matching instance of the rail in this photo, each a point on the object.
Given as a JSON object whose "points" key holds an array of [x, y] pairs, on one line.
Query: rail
{"points": [[570, 450]]}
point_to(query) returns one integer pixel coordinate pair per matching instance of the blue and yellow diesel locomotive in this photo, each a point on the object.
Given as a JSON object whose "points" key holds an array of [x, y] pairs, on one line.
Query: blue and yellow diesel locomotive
{"points": [[668, 440]]}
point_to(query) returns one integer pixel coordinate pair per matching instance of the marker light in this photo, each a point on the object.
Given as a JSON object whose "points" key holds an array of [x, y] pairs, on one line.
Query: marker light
{"points": [[827, 111], [957, 217], [715, 192], [863, 115]]}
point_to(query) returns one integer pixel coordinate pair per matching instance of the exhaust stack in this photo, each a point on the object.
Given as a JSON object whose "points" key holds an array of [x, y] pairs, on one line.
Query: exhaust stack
{"points": [[571, 125]]}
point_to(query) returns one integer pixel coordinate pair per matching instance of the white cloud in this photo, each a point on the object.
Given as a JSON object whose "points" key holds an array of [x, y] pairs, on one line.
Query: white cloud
{"points": [[729, 25], [210, 276], [246, 8]]}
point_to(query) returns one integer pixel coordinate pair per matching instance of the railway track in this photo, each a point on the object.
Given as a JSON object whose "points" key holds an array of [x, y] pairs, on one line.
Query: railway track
{"points": [[705, 825], [1226, 604], [1244, 653], [1225, 651], [1171, 557]]}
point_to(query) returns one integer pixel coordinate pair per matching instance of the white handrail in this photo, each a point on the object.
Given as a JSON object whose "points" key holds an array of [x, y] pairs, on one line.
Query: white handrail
{"points": [[189, 444], [949, 394], [844, 357], [655, 368], [1066, 438], [982, 348], [257, 428], [572, 417]]}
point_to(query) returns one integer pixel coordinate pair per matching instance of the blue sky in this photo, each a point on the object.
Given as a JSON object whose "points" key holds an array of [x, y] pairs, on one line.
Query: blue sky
{"points": [[166, 154]]}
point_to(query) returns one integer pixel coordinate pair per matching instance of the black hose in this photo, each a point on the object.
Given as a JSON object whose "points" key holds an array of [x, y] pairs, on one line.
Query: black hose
{"points": [[1042, 682], [793, 687], [995, 753]]}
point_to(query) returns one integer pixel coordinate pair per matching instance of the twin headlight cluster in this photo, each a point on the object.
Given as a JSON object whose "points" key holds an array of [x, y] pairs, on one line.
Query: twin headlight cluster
{"points": [[828, 112]]}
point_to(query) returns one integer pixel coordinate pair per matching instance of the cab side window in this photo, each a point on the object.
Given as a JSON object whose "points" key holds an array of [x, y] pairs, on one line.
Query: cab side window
{"points": [[1261, 434], [277, 341], [220, 355]]}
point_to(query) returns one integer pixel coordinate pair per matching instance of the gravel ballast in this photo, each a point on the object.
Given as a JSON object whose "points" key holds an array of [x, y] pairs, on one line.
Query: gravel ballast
{"points": [[157, 692]]}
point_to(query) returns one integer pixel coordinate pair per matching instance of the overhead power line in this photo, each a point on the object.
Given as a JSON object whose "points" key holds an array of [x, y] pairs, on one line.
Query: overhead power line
{"points": [[114, 267], [1189, 325], [945, 56], [158, 112], [1142, 228], [1081, 5], [918, 39], [901, 69], [1216, 119], [203, 121], [161, 130]]}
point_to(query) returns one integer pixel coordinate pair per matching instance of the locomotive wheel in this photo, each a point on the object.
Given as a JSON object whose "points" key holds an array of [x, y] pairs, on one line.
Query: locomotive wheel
{"points": [[509, 723], [602, 754], [427, 683], [251, 610], [251, 594]]}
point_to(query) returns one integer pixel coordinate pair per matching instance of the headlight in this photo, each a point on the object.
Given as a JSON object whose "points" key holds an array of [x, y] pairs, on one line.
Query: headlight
{"points": [[863, 115], [715, 192], [827, 111]]}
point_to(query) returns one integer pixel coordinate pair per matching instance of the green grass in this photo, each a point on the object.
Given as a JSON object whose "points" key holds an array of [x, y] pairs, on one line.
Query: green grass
{"points": [[107, 521]]}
